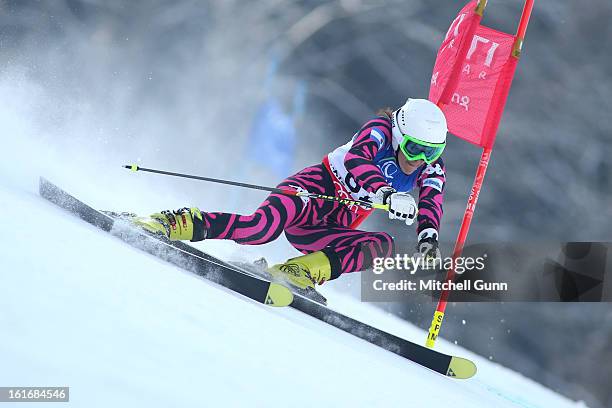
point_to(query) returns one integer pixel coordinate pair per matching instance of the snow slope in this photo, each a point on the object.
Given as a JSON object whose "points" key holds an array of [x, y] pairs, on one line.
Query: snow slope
{"points": [[80, 308]]}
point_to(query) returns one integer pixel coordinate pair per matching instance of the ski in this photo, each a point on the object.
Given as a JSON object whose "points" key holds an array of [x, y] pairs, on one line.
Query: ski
{"points": [[259, 268], [256, 268], [451, 366], [256, 288], [247, 281]]}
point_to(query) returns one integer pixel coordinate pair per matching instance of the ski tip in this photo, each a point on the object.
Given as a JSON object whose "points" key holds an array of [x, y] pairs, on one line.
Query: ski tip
{"points": [[461, 368], [278, 295]]}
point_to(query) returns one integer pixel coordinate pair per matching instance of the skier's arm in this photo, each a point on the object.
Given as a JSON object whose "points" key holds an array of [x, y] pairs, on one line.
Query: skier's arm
{"points": [[431, 184], [359, 159]]}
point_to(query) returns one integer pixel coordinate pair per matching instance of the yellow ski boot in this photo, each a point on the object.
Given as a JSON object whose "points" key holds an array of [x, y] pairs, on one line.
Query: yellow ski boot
{"points": [[304, 271], [180, 225]]}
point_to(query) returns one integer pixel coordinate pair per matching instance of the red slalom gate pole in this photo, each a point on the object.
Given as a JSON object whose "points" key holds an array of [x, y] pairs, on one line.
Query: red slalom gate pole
{"points": [[438, 317]]}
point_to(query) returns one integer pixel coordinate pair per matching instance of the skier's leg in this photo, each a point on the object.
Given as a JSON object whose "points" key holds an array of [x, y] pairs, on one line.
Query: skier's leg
{"points": [[275, 214], [264, 225], [348, 250], [330, 251]]}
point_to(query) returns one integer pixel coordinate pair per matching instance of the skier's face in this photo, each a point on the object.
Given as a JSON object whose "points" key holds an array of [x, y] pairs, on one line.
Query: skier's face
{"points": [[408, 166]]}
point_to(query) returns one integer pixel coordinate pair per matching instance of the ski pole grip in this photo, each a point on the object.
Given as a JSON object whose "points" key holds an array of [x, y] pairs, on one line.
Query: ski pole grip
{"points": [[381, 206], [133, 167]]}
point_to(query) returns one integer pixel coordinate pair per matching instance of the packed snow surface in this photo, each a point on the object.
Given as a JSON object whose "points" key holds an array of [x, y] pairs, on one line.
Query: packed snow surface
{"points": [[80, 308]]}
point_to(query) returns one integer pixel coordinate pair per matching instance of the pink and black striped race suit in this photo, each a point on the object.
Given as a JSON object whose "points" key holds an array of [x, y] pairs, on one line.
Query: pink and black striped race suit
{"points": [[355, 170]]}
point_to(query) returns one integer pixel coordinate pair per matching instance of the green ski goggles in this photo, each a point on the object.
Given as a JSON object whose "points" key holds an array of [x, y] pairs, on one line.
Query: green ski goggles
{"points": [[415, 149]]}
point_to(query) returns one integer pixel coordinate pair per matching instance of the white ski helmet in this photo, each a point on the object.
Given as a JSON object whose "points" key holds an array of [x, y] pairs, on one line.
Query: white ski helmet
{"points": [[420, 119]]}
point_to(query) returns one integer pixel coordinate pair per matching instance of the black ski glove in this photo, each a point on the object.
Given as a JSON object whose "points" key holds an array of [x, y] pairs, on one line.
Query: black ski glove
{"points": [[428, 249]]}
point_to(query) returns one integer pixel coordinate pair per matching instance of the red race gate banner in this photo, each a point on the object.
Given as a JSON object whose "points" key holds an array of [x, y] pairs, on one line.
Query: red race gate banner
{"points": [[472, 77], [470, 83]]}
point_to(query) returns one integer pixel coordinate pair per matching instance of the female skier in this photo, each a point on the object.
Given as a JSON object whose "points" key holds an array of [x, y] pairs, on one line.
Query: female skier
{"points": [[385, 160]]}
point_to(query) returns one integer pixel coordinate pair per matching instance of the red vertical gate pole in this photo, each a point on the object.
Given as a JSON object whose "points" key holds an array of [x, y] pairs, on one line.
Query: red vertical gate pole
{"points": [[438, 317]]}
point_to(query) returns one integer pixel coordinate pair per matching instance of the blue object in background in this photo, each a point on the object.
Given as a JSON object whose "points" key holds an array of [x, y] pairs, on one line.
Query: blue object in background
{"points": [[273, 138]]}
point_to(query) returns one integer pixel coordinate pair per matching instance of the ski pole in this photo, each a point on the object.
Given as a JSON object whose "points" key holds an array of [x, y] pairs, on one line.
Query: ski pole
{"points": [[289, 192]]}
